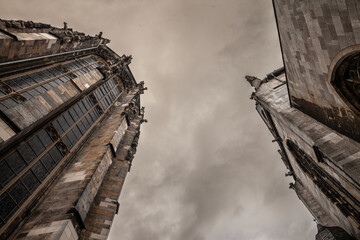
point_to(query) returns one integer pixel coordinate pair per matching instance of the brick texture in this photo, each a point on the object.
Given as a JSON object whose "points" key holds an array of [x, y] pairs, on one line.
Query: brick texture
{"points": [[312, 34]]}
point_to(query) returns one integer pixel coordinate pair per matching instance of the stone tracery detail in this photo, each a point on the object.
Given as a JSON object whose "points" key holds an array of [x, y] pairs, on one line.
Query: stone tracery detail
{"points": [[347, 80]]}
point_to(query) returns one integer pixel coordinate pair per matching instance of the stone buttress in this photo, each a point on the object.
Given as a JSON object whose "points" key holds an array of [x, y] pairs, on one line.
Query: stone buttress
{"points": [[70, 119]]}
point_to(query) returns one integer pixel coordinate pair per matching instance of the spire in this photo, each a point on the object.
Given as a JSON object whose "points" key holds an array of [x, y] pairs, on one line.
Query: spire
{"points": [[254, 81]]}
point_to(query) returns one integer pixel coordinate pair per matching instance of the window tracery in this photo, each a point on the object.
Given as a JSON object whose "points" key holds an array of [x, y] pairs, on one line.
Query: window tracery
{"points": [[347, 80]]}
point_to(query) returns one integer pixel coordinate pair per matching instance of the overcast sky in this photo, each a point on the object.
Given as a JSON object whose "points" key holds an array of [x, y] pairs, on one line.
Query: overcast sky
{"points": [[205, 166]]}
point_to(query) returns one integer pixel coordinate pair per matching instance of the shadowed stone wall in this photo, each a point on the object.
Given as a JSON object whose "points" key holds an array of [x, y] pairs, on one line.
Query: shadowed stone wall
{"points": [[70, 118], [336, 161], [314, 36]]}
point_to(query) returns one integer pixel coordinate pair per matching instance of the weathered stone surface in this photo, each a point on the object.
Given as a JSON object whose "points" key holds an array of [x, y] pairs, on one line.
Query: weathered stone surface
{"points": [[65, 126], [314, 117], [341, 155], [315, 35]]}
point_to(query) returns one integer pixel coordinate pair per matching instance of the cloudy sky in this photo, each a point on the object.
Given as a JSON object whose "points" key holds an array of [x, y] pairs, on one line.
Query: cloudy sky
{"points": [[205, 166]]}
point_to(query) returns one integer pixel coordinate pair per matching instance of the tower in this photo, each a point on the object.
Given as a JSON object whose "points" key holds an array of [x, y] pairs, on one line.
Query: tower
{"points": [[311, 107], [70, 117]]}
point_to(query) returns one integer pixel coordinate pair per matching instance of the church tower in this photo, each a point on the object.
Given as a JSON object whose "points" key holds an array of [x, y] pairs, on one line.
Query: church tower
{"points": [[70, 117], [312, 108]]}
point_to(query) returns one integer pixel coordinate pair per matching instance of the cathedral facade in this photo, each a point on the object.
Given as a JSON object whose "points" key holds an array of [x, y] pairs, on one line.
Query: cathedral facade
{"points": [[312, 108], [70, 117]]}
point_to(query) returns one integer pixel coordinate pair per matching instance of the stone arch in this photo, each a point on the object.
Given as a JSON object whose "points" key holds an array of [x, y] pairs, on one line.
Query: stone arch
{"points": [[344, 76]]}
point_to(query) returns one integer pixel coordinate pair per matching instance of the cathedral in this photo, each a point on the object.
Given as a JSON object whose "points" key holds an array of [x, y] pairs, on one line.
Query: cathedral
{"points": [[311, 106], [70, 117]]}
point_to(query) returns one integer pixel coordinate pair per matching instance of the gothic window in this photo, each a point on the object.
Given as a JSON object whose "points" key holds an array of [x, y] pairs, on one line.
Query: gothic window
{"points": [[347, 80], [24, 169], [329, 186]]}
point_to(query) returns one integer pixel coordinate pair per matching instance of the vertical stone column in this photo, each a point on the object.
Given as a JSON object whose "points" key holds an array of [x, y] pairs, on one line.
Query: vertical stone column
{"points": [[105, 205]]}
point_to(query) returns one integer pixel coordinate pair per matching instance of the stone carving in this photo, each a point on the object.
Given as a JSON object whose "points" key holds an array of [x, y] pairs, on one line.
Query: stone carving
{"points": [[105, 71], [22, 24], [118, 65], [123, 73], [126, 60], [135, 142], [105, 41], [141, 84], [131, 111], [129, 114], [347, 80], [141, 87], [142, 112], [67, 35], [107, 54], [130, 154], [254, 81], [277, 139], [99, 35], [124, 76]]}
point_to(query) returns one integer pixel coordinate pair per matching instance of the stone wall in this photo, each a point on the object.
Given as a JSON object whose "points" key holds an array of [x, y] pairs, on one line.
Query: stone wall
{"points": [[69, 119], [26, 39], [313, 34], [340, 156], [69, 203], [106, 205]]}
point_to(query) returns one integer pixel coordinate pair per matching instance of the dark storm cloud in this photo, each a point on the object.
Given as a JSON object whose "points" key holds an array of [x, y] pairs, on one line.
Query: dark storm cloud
{"points": [[205, 166]]}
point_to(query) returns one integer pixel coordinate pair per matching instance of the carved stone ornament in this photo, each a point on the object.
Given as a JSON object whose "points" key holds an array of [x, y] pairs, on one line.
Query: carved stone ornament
{"points": [[135, 141], [105, 70], [99, 35], [23, 24], [141, 87], [131, 111], [130, 154], [107, 54], [124, 76], [118, 65], [126, 60], [254, 81], [67, 35], [347, 80]]}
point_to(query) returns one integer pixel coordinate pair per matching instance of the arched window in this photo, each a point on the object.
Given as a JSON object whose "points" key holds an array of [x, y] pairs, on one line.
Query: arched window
{"points": [[346, 80], [330, 187]]}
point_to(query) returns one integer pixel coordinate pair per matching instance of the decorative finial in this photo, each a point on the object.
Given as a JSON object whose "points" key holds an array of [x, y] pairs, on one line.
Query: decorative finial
{"points": [[126, 59], [141, 87], [254, 81], [99, 35]]}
